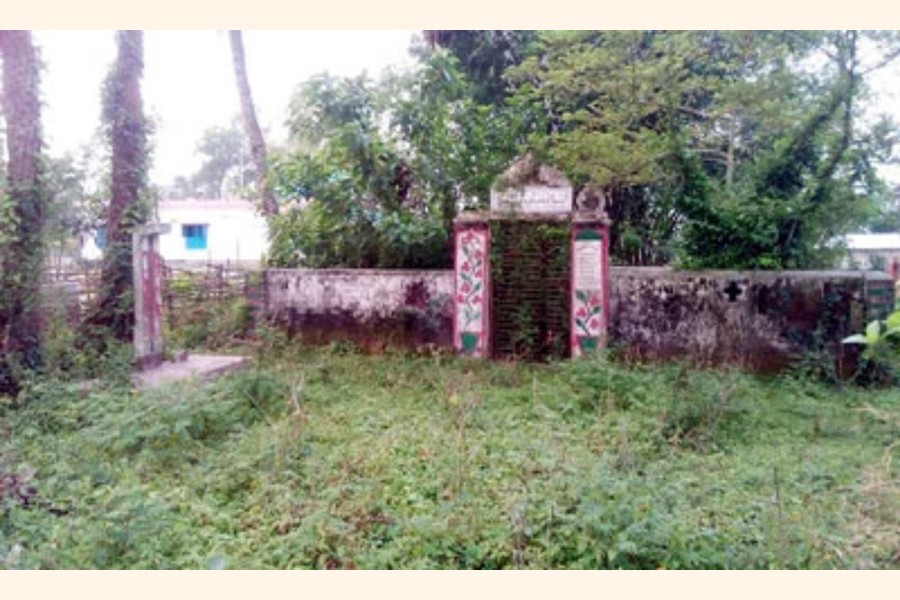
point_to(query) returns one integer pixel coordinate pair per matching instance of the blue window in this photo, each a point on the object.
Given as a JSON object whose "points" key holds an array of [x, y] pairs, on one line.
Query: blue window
{"points": [[100, 238], [194, 236]]}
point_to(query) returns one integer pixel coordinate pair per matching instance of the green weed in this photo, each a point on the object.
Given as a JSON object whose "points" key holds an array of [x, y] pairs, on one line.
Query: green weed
{"points": [[323, 459]]}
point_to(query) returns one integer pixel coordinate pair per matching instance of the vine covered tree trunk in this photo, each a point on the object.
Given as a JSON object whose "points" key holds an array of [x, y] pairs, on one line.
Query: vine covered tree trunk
{"points": [[251, 125], [126, 129], [21, 212]]}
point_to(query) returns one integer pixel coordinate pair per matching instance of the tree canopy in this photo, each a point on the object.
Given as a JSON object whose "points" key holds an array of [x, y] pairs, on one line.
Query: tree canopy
{"points": [[227, 166], [739, 149], [725, 149], [386, 165]]}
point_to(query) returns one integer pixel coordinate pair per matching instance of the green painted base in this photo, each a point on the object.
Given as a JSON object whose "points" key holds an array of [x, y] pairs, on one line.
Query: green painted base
{"points": [[469, 342], [587, 344]]}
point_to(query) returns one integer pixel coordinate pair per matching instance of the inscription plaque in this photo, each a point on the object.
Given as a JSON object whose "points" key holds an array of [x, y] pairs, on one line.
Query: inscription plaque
{"points": [[537, 199], [588, 265]]}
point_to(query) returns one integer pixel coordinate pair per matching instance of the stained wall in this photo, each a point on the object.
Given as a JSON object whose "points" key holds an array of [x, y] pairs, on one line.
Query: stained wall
{"points": [[763, 321]]}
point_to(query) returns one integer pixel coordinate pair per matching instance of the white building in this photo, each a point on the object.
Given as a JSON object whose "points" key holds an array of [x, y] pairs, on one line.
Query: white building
{"points": [[204, 231], [879, 251]]}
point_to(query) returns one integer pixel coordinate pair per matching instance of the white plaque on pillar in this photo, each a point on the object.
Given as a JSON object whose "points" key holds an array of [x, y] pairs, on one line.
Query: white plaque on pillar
{"points": [[588, 265]]}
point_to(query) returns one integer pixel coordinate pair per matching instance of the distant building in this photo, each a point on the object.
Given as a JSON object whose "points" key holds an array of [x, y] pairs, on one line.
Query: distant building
{"points": [[203, 231], [875, 251]]}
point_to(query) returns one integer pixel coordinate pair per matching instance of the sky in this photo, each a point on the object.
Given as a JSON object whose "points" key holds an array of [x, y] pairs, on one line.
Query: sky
{"points": [[189, 83]]}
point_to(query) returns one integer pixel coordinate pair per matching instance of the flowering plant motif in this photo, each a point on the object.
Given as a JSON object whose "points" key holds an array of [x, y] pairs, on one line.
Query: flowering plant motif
{"points": [[587, 312], [470, 279]]}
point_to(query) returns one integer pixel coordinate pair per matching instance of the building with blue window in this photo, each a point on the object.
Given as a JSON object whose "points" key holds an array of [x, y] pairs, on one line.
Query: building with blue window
{"points": [[204, 231], [194, 236]]}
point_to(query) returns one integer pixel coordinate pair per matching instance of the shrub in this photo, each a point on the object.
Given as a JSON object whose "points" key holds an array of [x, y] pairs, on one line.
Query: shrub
{"points": [[881, 353], [699, 408], [317, 236]]}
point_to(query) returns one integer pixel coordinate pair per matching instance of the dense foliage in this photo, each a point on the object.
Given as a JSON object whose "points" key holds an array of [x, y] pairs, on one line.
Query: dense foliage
{"points": [[716, 149], [327, 459], [484, 56], [386, 165], [226, 169]]}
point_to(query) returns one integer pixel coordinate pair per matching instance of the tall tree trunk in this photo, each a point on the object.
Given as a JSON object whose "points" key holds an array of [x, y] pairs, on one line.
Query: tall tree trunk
{"points": [[251, 125], [126, 127], [21, 220]]}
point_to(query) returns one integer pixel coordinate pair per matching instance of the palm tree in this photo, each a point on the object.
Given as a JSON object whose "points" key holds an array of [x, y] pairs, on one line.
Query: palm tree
{"points": [[251, 125]]}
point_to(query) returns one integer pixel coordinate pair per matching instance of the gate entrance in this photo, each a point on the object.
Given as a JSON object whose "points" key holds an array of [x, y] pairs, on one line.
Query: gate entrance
{"points": [[530, 283], [531, 275]]}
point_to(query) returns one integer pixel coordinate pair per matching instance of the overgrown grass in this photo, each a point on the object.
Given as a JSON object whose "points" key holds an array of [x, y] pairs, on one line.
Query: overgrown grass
{"points": [[328, 459]]}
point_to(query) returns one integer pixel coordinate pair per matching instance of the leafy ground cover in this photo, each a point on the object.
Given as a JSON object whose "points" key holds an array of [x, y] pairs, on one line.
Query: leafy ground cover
{"points": [[328, 459]]}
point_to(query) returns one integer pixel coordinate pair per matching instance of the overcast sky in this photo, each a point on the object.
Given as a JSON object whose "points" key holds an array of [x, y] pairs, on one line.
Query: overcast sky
{"points": [[189, 83]]}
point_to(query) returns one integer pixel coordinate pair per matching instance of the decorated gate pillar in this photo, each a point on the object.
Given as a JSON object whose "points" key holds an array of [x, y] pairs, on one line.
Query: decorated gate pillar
{"points": [[148, 339], [471, 324], [589, 283], [551, 269]]}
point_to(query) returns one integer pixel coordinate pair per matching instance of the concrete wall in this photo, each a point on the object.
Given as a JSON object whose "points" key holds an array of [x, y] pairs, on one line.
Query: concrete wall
{"points": [[763, 321], [374, 308], [760, 320]]}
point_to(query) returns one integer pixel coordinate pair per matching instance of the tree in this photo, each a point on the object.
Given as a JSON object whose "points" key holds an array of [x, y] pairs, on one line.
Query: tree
{"points": [[366, 209], [67, 214], [484, 56], [251, 126], [127, 132], [714, 149], [736, 149], [22, 206], [181, 188], [388, 164], [812, 180], [224, 152], [887, 217], [457, 146]]}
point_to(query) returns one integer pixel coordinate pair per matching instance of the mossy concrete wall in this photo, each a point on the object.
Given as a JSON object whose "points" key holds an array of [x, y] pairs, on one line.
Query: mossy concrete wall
{"points": [[373, 308], [763, 321]]}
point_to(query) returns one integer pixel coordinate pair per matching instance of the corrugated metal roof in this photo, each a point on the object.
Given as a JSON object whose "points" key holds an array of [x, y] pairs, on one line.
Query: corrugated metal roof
{"points": [[873, 241]]}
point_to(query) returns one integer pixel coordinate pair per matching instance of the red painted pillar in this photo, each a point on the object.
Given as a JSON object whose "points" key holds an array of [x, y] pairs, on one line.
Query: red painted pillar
{"points": [[148, 339], [471, 298]]}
